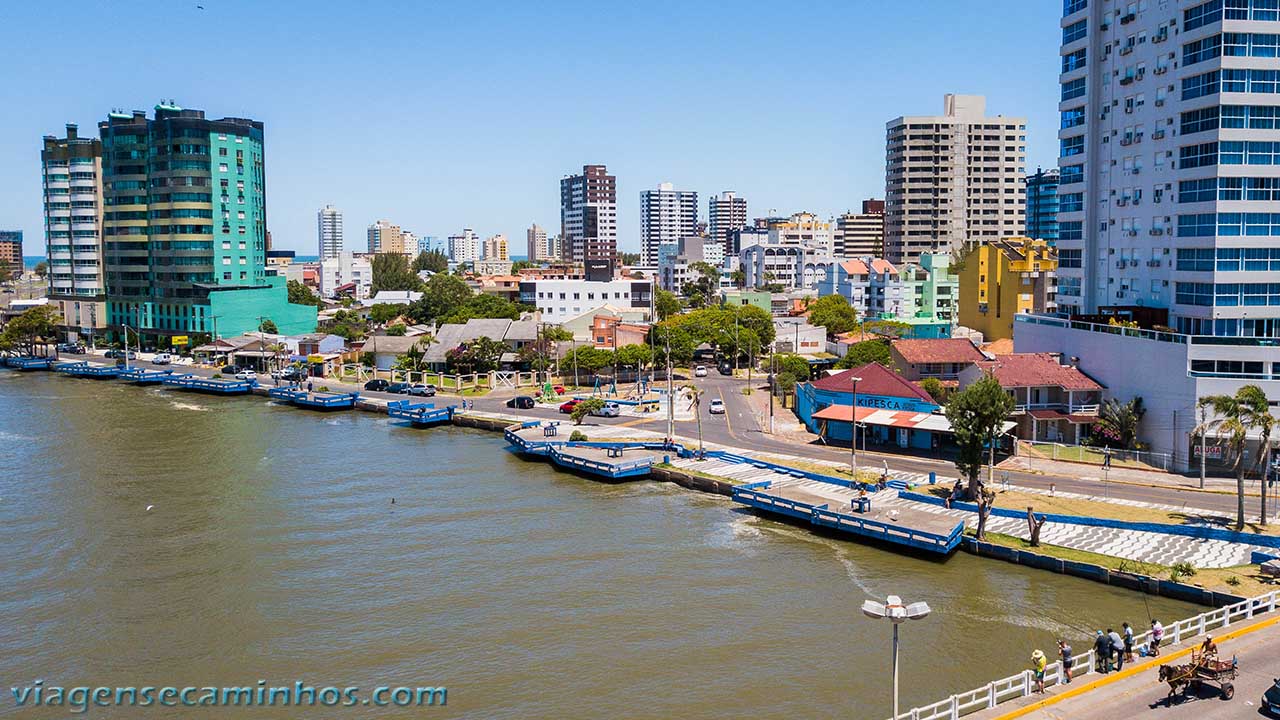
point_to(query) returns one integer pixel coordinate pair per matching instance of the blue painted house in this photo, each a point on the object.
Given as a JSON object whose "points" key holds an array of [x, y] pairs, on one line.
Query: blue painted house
{"points": [[891, 410]]}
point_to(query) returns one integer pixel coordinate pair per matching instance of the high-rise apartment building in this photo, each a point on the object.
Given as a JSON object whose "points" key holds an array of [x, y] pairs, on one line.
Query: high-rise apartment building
{"points": [[1169, 183], [666, 216], [803, 228], [589, 216], [387, 237], [952, 180], [861, 234], [329, 232], [1042, 205], [466, 247], [537, 244], [11, 252], [184, 228], [495, 248], [726, 213], [72, 168]]}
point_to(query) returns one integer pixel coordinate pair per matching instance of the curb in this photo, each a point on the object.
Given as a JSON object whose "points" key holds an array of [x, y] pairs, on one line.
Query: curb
{"points": [[1115, 677]]}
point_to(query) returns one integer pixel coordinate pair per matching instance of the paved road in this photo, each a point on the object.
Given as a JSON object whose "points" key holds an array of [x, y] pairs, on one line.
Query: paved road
{"points": [[738, 427], [1144, 695]]}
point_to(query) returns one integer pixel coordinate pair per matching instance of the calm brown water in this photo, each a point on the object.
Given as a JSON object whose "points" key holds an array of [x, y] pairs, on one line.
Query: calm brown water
{"points": [[273, 552]]}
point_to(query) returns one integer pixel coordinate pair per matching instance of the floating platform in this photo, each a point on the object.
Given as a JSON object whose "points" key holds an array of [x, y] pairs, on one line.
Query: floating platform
{"points": [[834, 507], [420, 414], [612, 460], [314, 400], [210, 385], [88, 370], [145, 376], [26, 362]]}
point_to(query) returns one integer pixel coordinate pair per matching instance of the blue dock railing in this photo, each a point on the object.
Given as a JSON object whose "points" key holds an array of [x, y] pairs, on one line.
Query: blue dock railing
{"points": [[27, 362], [84, 369], [314, 400], [144, 375], [420, 413], [209, 385]]}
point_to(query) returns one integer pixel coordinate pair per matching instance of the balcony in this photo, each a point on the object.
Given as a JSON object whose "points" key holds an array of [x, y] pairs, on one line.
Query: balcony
{"points": [[1070, 409]]}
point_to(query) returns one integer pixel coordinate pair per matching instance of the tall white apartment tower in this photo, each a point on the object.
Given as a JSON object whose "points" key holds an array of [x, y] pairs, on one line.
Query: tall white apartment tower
{"points": [[466, 247], [73, 213], [953, 179], [666, 215], [1170, 168], [329, 232], [536, 238], [726, 212]]}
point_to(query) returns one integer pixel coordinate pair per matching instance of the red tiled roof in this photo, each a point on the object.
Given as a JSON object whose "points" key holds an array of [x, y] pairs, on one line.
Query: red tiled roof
{"points": [[881, 265], [854, 267], [876, 380], [1036, 370], [1003, 346], [939, 350]]}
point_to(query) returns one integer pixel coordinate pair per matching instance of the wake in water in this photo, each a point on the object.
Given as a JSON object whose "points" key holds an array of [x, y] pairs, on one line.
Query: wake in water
{"points": [[840, 549], [187, 406]]}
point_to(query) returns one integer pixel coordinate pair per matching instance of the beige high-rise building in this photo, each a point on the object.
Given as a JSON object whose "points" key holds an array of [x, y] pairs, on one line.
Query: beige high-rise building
{"points": [[861, 234], [495, 248], [803, 228], [537, 240], [953, 179], [386, 237]]}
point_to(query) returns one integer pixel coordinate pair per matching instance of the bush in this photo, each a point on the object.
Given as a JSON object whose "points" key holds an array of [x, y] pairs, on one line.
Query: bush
{"points": [[1181, 570], [577, 436]]}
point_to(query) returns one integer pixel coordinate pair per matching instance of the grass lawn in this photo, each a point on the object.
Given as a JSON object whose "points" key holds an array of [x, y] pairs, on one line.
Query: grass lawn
{"points": [[1248, 579], [1073, 453], [866, 475]]}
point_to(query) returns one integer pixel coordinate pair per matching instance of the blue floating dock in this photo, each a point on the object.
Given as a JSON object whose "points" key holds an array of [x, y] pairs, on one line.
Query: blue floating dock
{"points": [[314, 400], [210, 385], [26, 362], [85, 370], [145, 376], [612, 460], [420, 414]]}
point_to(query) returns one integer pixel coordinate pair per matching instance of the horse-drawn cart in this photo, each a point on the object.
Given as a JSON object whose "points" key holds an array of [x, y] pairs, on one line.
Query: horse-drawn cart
{"points": [[1201, 671]]}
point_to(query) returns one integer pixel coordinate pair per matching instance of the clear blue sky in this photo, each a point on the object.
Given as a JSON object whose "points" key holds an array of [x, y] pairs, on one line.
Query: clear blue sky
{"points": [[444, 115]]}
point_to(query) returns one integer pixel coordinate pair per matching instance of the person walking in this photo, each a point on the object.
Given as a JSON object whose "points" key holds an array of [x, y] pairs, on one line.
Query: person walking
{"points": [[1128, 642], [1064, 657], [1117, 648], [1157, 635], [1038, 662], [1102, 653]]}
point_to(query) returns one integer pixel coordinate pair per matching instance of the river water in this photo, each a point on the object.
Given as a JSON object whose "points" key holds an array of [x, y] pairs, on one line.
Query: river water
{"points": [[273, 551]]}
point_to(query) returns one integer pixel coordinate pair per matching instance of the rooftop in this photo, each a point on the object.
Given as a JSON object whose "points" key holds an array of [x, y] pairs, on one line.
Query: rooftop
{"points": [[876, 379], [940, 350], [1037, 370]]}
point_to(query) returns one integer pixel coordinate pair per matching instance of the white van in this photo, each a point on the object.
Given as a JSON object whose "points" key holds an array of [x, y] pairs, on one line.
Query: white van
{"points": [[162, 359]]}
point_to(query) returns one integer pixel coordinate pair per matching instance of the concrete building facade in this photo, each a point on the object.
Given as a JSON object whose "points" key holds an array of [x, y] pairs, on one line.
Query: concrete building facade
{"points": [[329, 234], [726, 213], [71, 168], [589, 216], [537, 249], [861, 234], [1005, 278], [1042, 206], [666, 216]]}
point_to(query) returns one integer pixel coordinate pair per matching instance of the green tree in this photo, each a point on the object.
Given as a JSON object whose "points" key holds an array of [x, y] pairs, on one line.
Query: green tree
{"points": [[628, 258], [6, 272], [886, 328], [834, 313], [586, 359], [797, 366], [42, 269], [977, 415], [1117, 424], [431, 260], [633, 355], [1235, 416], [268, 326], [585, 408], [348, 324], [936, 390], [867, 351], [519, 265], [391, 272], [477, 356], [739, 278], [665, 304], [397, 330], [706, 284], [414, 359], [300, 294], [483, 306], [34, 327], [383, 313], [442, 295]]}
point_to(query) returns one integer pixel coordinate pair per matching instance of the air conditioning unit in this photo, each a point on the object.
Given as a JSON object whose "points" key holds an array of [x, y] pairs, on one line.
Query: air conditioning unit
{"points": [[1157, 231], [1159, 102], [1158, 134], [1126, 49], [1122, 202], [1120, 263], [1137, 171], [1134, 262], [1125, 20], [1160, 70]]}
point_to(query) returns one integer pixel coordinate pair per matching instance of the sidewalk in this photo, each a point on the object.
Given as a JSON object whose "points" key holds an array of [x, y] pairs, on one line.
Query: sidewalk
{"points": [[1154, 478]]}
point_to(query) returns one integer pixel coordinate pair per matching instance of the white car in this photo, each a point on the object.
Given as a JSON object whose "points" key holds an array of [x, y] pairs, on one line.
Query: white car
{"points": [[610, 409], [700, 371], [162, 359], [716, 407], [246, 375]]}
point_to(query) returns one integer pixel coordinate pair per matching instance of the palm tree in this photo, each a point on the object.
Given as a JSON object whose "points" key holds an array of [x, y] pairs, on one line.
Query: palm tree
{"points": [[1235, 415], [695, 404], [1118, 422]]}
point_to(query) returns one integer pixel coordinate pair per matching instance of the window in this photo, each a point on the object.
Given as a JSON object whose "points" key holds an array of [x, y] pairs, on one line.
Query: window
{"points": [[1200, 15], [1070, 174], [1201, 50], [1071, 230], [1231, 152], [1201, 225], [1192, 156], [1070, 258], [1072, 146], [1200, 85], [1073, 117], [1070, 7], [1074, 31], [1193, 293], [1073, 61], [1073, 89], [1197, 190], [1071, 202]]}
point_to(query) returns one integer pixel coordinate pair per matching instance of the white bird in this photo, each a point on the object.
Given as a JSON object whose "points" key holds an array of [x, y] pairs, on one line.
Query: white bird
{"points": [[149, 507]]}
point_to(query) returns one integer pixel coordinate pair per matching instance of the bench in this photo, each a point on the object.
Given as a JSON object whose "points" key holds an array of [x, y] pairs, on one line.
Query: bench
{"points": [[614, 452], [549, 431]]}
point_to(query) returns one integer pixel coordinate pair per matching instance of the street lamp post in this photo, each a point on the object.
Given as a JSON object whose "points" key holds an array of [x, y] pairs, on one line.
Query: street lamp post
{"points": [[853, 431], [897, 613]]}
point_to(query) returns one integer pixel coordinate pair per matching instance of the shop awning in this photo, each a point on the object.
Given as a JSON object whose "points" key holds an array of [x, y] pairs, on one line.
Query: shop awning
{"points": [[890, 418]]}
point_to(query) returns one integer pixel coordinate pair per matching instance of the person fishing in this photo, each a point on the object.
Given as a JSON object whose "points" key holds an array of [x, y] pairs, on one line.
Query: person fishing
{"points": [[1157, 635], [1064, 655], [1038, 662]]}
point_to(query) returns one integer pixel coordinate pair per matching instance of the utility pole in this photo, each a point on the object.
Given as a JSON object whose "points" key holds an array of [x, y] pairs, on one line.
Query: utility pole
{"points": [[1203, 449], [773, 377], [736, 350], [853, 430], [671, 395]]}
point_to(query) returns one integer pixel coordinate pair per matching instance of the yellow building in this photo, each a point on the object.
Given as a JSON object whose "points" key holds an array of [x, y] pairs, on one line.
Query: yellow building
{"points": [[1003, 278]]}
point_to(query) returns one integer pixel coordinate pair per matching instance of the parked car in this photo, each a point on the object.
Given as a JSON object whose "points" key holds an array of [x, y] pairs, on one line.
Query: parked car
{"points": [[716, 407], [725, 369], [377, 385], [74, 348], [521, 402], [230, 369], [569, 406], [247, 374], [1271, 699], [121, 354], [399, 388], [610, 409], [421, 390], [291, 374], [559, 389], [162, 359], [700, 371]]}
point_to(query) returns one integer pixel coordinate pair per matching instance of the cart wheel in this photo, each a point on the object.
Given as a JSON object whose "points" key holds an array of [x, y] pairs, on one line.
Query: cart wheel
{"points": [[1228, 691]]}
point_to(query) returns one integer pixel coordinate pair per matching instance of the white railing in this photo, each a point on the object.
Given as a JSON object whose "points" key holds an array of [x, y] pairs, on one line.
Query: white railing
{"points": [[1021, 685], [1064, 407], [1049, 450]]}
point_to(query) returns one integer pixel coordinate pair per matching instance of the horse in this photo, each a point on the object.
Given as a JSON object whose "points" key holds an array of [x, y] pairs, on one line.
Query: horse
{"points": [[1178, 677]]}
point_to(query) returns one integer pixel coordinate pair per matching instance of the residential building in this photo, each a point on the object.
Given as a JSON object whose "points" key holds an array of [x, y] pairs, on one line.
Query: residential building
{"points": [[428, 243], [746, 237], [860, 234], [943, 358], [890, 410], [610, 332], [329, 232], [505, 286], [953, 180], [1052, 401], [495, 248], [492, 267], [757, 298], [343, 271], [797, 335], [11, 248], [387, 237], [72, 174], [666, 216], [184, 228], [1003, 278], [726, 213], [466, 247], [886, 297], [930, 289], [515, 334], [559, 300], [589, 216], [675, 261], [776, 264], [804, 229], [392, 297], [1042, 205], [583, 326], [538, 250], [280, 258]]}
